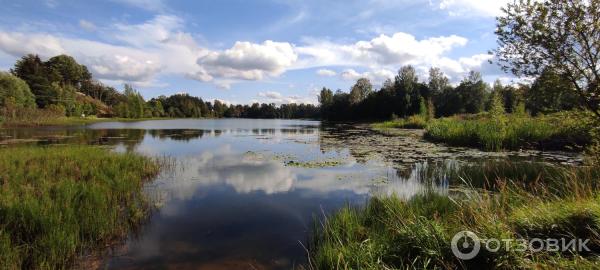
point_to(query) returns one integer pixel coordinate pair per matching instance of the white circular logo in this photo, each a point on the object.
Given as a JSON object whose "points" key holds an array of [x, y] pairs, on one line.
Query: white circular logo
{"points": [[462, 242]]}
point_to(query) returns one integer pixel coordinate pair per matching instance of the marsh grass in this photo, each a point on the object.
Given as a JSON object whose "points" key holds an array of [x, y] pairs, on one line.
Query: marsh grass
{"points": [[412, 122], [61, 201], [390, 233], [561, 131]]}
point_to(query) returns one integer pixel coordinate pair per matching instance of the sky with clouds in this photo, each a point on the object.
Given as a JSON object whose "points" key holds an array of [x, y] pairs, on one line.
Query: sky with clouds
{"points": [[273, 51]]}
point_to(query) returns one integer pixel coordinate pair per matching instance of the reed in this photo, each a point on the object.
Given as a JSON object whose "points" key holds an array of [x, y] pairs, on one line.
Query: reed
{"points": [[390, 233], [60, 201]]}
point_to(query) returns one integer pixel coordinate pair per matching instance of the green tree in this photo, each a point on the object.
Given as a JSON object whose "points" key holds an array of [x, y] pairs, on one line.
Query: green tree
{"points": [[325, 97], [17, 90], [534, 36], [407, 91], [472, 93], [437, 82], [360, 90], [33, 71], [66, 70], [550, 92]]}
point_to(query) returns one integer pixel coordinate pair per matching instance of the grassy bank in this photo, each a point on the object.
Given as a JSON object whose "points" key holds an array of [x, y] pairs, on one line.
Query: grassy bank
{"points": [[57, 202], [65, 121], [412, 122], [562, 131], [389, 233]]}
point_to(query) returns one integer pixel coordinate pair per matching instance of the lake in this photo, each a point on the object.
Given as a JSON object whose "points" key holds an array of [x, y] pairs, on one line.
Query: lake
{"points": [[245, 194]]}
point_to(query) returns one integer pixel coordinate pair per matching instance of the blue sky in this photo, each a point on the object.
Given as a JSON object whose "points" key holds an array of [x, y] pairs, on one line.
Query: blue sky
{"points": [[253, 51]]}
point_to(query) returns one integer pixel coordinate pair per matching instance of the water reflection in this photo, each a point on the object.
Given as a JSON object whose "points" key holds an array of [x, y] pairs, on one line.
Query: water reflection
{"points": [[232, 201]]}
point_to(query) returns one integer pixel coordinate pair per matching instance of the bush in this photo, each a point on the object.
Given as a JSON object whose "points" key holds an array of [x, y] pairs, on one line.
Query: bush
{"points": [[15, 92]]}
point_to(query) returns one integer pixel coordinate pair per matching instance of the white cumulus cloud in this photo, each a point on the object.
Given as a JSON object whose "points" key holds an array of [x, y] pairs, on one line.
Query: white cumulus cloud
{"points": [[376, 76], [249, 61]]}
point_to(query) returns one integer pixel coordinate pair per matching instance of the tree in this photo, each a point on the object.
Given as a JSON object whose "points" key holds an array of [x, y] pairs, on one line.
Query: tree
{"points": [[437, 81], [550, 92], [66, 70], [561, 35], [17, 90], [407, 91], [133, 106], [326, 100], [325, 97], [360, 90], [32, 70], [472, 93]]}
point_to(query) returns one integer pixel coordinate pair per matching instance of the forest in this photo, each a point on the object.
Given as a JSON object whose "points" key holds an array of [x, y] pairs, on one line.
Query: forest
{"points": [[407, 95], [62, 87]]}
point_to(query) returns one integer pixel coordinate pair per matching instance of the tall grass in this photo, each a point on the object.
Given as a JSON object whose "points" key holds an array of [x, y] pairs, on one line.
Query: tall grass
{"points": [[563, 131], [412, 122], [389, 233], [58, 202]]}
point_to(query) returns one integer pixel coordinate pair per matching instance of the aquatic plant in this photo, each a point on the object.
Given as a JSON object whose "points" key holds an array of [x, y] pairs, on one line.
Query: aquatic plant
{"points": [[411, 122], [390, 233], [60, 201], [512, 132]]}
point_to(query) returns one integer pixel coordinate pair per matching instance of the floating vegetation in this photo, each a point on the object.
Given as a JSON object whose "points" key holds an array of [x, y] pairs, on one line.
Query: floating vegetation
{"points": [[313, 164]]}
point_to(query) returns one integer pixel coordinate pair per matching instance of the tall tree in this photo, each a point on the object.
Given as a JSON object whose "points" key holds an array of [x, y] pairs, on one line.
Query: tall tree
{"points": [[550, 92], [472, 93], [562, 35], [437, 81], [407, 90], [68, 70], [32, 70], [360, 90]]}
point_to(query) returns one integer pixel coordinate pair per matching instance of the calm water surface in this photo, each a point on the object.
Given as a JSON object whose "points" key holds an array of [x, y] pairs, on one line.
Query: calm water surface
{"points": [[232, 199]]}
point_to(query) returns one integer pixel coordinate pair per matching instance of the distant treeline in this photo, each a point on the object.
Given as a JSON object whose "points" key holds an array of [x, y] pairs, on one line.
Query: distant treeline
{"points": [[62, 87], [406, 95]]}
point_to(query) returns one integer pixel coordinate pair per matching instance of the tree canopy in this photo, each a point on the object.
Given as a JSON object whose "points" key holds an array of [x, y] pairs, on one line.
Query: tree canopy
{"points": [[15, 91], [534, 36]]}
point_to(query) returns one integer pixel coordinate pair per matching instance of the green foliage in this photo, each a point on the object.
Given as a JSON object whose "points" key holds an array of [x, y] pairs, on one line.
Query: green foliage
{"points": [[537, 36], [392, 233], [33, 71], [133, 106], [500, 132], [66, 71], [57, 202], [16, 90], [412, 122], [472, 93], [497, 106], [360, 90], [550, 93]]}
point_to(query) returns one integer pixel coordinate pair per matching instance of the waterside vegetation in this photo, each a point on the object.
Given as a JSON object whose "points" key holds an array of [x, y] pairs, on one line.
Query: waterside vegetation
{"points": [[59, 202], [505, 201]]}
